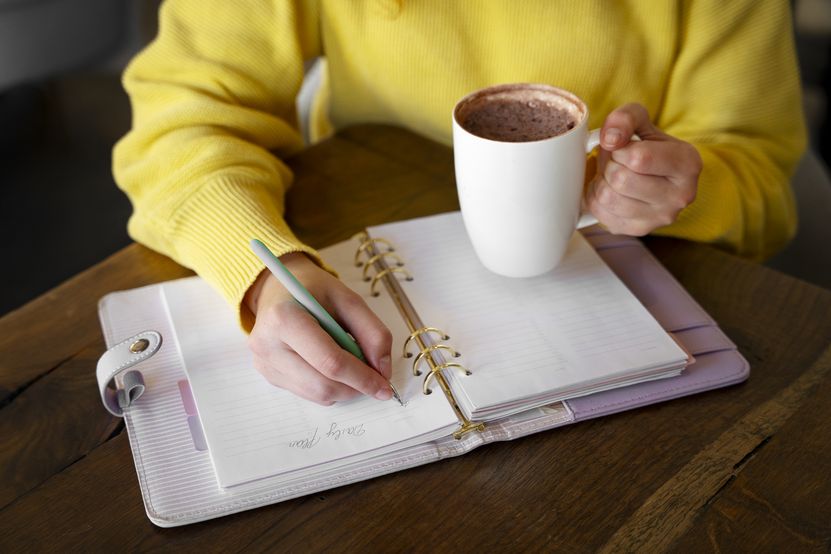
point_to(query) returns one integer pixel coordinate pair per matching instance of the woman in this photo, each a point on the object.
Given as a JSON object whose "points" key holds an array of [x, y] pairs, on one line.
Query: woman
{"points": [[711, 87]]}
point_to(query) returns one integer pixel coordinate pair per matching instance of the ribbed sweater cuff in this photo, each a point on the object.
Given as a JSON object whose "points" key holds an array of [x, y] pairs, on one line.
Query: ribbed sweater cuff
{"points": [[213, 229], [715, 216]]}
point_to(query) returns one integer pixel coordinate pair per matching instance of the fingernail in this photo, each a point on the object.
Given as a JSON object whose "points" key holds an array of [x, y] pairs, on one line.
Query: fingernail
{"points": [[385, 364], [384, 393], [612, 137]]}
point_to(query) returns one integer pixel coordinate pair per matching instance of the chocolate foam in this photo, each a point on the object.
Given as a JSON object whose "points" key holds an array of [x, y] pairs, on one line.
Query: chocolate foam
{"points": [[519, 113]]}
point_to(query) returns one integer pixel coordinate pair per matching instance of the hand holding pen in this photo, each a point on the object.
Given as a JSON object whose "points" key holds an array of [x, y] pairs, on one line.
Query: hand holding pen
{"points": [[295, 352]]}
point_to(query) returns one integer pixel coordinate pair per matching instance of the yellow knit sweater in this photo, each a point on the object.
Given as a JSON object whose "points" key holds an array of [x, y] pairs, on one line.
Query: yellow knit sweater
{"points": [[214, 103]]}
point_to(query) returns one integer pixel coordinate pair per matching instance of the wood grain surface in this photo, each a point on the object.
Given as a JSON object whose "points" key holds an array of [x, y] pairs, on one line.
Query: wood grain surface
{"points": [[739, 469]]}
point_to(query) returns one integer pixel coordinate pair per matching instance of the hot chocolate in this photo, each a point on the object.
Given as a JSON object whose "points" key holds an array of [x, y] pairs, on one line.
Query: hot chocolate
{"points": [[518, 114]]}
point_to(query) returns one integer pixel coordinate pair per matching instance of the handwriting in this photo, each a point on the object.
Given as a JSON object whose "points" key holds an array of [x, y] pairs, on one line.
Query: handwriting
{"points": [[334, 433], [306, 443], [354, 430]]}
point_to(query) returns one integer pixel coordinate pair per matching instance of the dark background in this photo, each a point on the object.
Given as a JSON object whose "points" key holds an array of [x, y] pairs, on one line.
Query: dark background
{"points": [[62, 109]]}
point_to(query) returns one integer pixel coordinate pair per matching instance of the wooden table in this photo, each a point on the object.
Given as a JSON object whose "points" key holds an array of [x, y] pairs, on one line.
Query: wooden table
{"points": [[743, 468]]}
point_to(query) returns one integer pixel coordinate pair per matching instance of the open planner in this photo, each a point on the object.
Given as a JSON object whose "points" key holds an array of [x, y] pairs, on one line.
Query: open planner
{"points": [[476, 358]]}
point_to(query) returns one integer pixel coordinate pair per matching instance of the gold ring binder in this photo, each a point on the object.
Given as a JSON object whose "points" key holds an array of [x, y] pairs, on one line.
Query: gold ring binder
{"points": [[371, 262], [370, 243], [418, 332], [427, 351], [387, 271], [466, 427], [437, 371]]}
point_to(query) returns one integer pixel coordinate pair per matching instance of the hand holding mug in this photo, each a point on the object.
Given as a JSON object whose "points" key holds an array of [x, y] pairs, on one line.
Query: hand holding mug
{"points": [[520, 151], [640, 185], [520, 157]]}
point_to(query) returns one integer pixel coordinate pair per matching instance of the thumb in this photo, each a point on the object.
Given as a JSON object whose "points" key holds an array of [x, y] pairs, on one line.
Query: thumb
{"points": [[622, 123]]}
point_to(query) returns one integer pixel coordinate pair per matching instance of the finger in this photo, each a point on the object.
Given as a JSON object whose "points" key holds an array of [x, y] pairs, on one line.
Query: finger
{"points": [[658, 191], [285, 369], [301, 332], [618, 225], [624, 122], [623, 215], [674, 159], [622, 206], [372, 335]]}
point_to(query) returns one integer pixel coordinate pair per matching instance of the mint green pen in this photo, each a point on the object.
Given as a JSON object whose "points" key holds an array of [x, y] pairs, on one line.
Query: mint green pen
{"points": [[305, 299]]}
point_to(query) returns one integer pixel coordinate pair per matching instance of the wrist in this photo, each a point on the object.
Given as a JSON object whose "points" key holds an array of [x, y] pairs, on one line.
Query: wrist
{"points": [[295, 261], [252, 295]]}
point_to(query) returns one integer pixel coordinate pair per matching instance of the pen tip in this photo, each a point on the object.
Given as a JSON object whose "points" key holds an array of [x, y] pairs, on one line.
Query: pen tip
{"points": [[396, 395]]}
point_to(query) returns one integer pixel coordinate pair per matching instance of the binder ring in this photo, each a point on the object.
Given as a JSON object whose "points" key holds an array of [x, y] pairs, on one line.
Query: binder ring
{"points": [[370, 243], [425, 387], [387, 271], [420, 331], [368, 264], [427, 351]]}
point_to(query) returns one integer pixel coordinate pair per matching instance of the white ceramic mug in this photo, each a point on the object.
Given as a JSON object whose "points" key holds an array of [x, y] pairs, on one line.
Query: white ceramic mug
{"points": [[521, 201]]}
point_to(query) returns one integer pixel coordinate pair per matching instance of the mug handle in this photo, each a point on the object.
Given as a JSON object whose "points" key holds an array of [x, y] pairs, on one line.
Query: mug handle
{"points": [[592, 142]]}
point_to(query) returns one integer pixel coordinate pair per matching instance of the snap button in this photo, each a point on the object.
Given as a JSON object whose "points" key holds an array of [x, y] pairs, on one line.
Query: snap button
{"points": [[139, 346]]}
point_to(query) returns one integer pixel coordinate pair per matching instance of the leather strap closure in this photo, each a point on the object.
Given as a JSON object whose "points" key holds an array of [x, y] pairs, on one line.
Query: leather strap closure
{"points": [[116, 361]]}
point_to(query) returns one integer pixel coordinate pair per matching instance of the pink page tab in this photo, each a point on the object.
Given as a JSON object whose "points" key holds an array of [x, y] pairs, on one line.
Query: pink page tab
{"points": [[187, 397]]}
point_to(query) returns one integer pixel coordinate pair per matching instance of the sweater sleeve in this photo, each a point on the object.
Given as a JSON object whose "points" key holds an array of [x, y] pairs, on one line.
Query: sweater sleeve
{"points": [[213, 102], [735, 94]]}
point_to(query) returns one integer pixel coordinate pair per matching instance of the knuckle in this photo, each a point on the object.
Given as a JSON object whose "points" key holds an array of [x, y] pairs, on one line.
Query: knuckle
{"points": [[351, 301], [634, 113], [696, 163], [630, 121], [368, 384], [629, 108], [371, 381], [637, 228], [322, 401], [379, 337], [606, 196], [683, 196], [640, 160], [690, 195], [323, 393], [332, 364], [264, 345], [621, 180], [667, 218], [685, 199], [634, 108]]}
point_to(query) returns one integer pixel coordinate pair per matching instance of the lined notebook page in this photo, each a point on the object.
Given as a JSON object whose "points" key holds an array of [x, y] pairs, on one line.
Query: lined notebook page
{"points": [[255, 430], [574, 326]]}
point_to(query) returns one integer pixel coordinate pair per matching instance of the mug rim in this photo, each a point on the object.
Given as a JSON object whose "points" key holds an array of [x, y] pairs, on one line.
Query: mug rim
{"points": [[507, 87]]}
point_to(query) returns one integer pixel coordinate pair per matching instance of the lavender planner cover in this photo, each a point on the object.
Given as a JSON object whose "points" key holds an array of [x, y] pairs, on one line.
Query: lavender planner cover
{"points": [[717, 361], [174, 468]]}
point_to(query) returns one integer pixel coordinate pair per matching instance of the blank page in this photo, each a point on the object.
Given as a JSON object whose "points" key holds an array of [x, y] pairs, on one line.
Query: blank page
{"points": [[575, 327]]}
